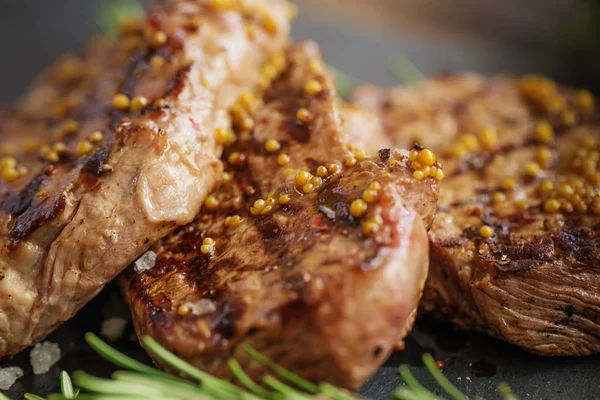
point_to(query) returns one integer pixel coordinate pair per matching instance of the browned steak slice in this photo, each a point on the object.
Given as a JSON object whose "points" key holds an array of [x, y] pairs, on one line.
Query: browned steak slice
{"points": [[114, 148], [289, 259], [515, 246]]}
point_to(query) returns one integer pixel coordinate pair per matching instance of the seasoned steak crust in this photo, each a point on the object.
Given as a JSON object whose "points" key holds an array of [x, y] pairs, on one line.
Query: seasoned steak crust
{"points": [[113, 148], [290, 269], [515, 246]]}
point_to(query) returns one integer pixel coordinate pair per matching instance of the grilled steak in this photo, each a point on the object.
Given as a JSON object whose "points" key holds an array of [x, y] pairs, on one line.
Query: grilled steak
{"points": [[112, 150], [515, 247], [290, 260]]}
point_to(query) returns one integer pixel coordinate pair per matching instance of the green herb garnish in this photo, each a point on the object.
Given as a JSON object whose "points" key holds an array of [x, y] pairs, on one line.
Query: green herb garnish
{"points": [[141, 381]]}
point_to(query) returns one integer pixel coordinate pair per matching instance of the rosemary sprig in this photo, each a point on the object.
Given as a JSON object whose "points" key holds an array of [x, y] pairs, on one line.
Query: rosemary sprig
{"points": [[140, 381]]}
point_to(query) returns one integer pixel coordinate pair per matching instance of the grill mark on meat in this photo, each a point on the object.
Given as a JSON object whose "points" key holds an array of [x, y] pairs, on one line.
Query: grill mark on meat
{"points": [[33, 217], [16, 203], [175, 85], [269, 276]]}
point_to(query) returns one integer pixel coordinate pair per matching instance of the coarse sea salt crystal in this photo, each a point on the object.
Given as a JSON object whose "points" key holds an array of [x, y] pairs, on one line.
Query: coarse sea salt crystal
{"points": [[145, 262], [112, 328], [8, 376], [43, 357]]}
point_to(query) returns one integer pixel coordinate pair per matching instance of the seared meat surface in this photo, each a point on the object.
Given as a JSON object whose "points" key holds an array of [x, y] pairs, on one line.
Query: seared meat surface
{"points": [[515, 246], [114, 148], [289, 259]]}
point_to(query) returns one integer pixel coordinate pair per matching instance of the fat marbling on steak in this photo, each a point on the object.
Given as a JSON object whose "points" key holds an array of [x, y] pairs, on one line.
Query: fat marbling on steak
{"points": [[114, 148], [290, 259], [515, 246]]}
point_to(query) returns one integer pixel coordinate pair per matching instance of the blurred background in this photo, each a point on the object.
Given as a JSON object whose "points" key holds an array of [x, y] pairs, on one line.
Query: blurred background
{"points": [[559, 38]]}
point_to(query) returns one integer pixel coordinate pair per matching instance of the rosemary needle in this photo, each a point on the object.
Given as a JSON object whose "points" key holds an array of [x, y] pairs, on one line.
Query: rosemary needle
{"points": [[288, 392], [26, 396], [66, 386], [444, 383], [282, 372], [506, 392], [244, 379], [414, 385]]}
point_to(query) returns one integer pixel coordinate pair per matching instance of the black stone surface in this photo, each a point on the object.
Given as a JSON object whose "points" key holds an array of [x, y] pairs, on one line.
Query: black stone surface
{"points": [[34, 32]]}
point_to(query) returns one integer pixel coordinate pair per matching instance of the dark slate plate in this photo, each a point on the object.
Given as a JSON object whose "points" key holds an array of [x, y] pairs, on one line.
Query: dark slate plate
{"points": [[33, 32]]}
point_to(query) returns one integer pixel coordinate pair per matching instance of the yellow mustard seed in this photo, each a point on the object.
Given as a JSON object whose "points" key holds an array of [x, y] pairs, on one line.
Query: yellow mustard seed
{"points": [[350, 162], [358, 208], [439, 175], [509, 183], [413, 154], [211, 203], [266, 209], [386, 175], [546, 186], [59, 147], [52, 156], [457, 151], [333, 168], [566, 190], [470, 142], [288, 171], [544, 156], [247, 123], [284, 199], [283, 159], [486, 231], [308, 188], [584, 100], [159, 38], [260, 204], [208, 240], [551, 206], [8, 163], [498, 197], [315, 66], [420, 174], [532, 169], [235, 158], [313, 87], [370, 227], [316, 181], [96, 136], [234, 221], [206, 249], [70, 126], [588, 141], [322, 171], [225, 137], [489, 137], [566, 206], [375, 186], [269, 71], [84, 147], [426, 157], [272, 146], [303, 115], [370, 196], [302, 178], [183, 310], [360, 154], [138, 103], [544, 132], [121, 101], [269, 23], [157, 61], [226, 177]]}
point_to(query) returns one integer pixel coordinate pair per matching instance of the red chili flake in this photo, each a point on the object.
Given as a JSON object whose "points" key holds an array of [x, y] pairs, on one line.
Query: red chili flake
{"points": [[440, 365], [319, 223], [195, 125], [264, 120], [49, 169]]}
